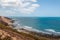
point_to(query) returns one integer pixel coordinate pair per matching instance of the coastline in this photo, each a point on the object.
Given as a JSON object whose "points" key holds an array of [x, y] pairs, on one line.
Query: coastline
{"points": [[40, 35]]}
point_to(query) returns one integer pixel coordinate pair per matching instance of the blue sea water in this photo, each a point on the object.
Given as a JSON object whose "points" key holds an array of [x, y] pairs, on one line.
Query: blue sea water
{"points": [[40, 23]]}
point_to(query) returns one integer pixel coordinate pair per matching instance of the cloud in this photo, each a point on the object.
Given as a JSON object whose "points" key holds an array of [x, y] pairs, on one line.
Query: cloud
{"points": [[6, 13], [34, 0], [23, 6], [7, 3]]}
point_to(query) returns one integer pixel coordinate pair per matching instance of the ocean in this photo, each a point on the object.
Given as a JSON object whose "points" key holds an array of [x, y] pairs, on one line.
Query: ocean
{"points": [[39, 23]]}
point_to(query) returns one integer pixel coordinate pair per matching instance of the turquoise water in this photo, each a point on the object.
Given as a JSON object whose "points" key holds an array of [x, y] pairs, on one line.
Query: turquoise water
{"points": [[40, 23]]}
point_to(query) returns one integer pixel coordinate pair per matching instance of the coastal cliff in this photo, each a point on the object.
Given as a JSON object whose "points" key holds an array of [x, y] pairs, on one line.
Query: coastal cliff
{"points": [[9, 33], [6, 21]]}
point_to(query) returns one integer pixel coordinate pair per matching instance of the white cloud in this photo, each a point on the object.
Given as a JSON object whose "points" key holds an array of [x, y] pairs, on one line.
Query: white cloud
{"points": [[23, 6], [6, 3], [6, 13], [34, 0]]}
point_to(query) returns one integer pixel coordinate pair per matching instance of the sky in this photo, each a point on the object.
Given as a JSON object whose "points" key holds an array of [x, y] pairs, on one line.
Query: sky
{"points": [[30, 8]]}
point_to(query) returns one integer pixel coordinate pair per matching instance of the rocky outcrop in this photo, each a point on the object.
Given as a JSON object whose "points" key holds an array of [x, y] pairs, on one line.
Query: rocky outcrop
{"points": [[6, 21]]}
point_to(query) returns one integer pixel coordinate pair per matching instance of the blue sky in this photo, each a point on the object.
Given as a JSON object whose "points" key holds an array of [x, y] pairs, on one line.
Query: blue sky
{"points": [[47, 8]]}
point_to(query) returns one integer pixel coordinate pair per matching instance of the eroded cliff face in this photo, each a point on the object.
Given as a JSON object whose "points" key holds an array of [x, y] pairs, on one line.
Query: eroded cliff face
{"points": [[6, 21]]}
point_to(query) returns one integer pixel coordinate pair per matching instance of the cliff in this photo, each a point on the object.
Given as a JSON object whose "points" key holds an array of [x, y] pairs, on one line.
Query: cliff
{"points": [[8, 33], [6, 21]]}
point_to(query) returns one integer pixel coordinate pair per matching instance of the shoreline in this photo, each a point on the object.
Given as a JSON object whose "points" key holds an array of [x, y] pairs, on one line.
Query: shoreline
{"points": [[46, 32], [40, 35]]}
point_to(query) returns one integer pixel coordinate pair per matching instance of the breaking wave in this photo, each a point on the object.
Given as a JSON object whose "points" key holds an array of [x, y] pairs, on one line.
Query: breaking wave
{"points": [[46, 31]]}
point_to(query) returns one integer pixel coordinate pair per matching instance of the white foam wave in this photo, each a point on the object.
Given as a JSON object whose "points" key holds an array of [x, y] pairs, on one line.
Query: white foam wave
{"points": [[31, 29], [50, 30], [47, 31]]}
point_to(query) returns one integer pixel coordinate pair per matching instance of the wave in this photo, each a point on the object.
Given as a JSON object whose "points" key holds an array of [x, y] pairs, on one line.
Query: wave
{"points": [[46, 31], [31, 29], [50, 30], [20, 26]]}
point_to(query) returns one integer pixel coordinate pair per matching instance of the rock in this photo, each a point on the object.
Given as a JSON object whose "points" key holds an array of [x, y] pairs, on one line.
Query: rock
{"points": [[6, 21]]}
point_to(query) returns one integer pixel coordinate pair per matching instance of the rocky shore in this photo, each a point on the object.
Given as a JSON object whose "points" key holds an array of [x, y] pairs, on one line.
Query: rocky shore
{"points": [[9, 33]]}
